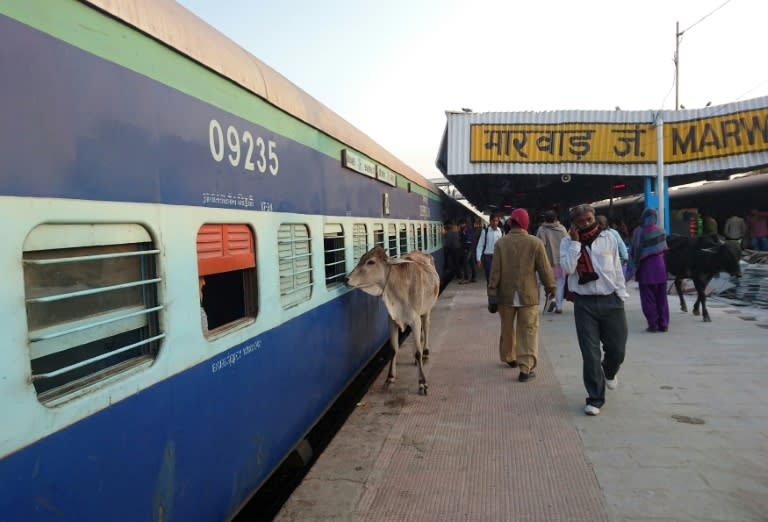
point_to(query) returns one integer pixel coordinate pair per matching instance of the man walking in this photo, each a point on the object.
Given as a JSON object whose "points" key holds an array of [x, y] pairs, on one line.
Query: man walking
{"points": [[514, 292], [485, 243], [590, 258], [551, 232]]}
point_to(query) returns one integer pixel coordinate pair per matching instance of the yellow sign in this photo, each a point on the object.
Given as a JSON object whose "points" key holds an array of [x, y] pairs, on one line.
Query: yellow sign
{"points": [[627, 143], [716, 136], [566, 142]]}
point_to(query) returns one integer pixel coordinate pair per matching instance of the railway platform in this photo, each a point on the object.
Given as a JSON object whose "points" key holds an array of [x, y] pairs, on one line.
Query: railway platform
{"points": [[683, 438]]}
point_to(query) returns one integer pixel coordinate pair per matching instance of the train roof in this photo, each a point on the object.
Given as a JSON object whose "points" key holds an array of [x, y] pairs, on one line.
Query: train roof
{"points": [[178, 28]]}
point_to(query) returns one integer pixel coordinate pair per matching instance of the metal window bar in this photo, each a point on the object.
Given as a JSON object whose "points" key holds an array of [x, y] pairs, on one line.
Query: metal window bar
{"points": [[52, 261], [91, 291], [68, 331], [65, 369]]}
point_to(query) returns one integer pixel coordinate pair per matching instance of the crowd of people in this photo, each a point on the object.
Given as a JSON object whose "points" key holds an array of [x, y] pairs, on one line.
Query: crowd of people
{"points": [[587, 263]]}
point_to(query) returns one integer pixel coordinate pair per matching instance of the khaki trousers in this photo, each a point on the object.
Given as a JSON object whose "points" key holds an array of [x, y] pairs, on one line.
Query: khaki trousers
{"points": [[519, 339]]}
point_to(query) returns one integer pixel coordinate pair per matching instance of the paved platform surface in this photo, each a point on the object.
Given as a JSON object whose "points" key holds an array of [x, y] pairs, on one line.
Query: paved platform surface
{"points": [[683, 438]]}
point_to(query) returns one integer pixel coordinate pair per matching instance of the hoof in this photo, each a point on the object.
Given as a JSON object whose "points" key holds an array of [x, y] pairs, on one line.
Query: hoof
{"points": [[422, 389], [695, 312], [707, 319], [388, 382]]}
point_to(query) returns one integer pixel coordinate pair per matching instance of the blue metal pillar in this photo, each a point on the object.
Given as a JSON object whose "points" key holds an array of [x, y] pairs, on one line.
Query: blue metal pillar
{"points": [[652, 199]]}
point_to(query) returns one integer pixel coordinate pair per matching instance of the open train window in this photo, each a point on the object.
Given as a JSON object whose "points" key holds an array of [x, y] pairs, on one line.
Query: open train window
{"points": [[403, 239], [378, 235], [226, 269], [411, 237], [294, 257], [359, 241], [335, 261], [425, 235], [91, 293], [392, 238]]}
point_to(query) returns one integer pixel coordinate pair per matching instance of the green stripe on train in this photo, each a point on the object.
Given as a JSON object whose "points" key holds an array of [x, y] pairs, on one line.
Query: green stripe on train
{"points": [[88, 29]]}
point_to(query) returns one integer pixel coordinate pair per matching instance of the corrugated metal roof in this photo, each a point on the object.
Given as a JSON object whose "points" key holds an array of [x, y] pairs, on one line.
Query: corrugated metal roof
{"points": [[537, 131]]}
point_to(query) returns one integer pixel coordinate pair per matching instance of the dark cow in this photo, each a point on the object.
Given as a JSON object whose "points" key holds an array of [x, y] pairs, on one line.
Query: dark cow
{"points": [[700, 260], [409, 287]]}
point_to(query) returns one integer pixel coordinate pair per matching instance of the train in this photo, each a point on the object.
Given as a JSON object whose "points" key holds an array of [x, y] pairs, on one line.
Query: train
{"points": [[719, 199], [178, 219]]}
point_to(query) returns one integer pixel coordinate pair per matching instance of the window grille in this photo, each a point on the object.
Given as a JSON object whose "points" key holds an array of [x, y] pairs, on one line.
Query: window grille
{"points": [[91, 295], [378, 235], [359, 241], [335, 260], [425, 235], [403, 239], [392, 240], [419, 238], [294, 257], [411, 238]]}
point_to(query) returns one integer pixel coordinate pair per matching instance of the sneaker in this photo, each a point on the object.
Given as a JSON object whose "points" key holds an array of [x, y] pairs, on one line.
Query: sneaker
{"points": [[612, 384], [552, 306], [512, 364], [591, 410], [559, 311], [663, 328], [525, 377]]}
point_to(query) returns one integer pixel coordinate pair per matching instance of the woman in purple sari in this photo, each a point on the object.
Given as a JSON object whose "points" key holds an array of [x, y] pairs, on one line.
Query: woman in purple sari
{"points": [[648, 246]]}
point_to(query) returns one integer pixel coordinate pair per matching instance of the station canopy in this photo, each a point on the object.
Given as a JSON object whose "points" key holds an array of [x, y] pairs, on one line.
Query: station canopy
{"points": [[503, 160]]}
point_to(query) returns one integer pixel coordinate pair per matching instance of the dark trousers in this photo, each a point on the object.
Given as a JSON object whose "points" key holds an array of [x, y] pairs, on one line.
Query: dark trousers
{"points": [[468, 264], [487, 260], [453, 262], [600, 319]]}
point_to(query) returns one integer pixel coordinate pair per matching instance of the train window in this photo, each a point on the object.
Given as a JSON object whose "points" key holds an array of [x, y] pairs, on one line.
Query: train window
{"points": [[359, 241], [419, 238], [403, 236], [335, 261], [91, 295], [294, 257], [432, 240], [425, 235], [226, 269], [378, 235], [392, 238], [411, 238]]}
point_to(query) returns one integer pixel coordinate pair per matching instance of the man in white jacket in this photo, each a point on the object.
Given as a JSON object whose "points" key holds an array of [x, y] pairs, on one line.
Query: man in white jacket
{"points": [[590, 258]]}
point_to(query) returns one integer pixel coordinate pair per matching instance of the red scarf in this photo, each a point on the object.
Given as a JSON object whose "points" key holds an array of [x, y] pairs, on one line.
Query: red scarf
{"points": [[584, 265]]}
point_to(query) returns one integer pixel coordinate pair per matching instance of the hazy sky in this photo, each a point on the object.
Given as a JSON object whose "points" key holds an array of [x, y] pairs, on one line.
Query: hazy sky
{"points": [[392, 68]]}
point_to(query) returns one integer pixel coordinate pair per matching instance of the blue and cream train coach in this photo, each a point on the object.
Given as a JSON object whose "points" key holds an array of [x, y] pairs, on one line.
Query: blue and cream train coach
{"points": [[177, 221]]}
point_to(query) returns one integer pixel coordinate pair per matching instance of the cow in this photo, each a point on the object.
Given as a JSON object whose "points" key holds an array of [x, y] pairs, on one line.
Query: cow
{"points": [[700, 260], [409, 287]]}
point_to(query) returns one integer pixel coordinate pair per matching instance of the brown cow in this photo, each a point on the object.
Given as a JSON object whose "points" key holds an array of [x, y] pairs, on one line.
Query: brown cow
{"points": [[409, 286]]}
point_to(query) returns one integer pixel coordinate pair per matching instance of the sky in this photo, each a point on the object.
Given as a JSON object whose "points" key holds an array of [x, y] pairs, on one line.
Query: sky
{"points": [[393, 68]]}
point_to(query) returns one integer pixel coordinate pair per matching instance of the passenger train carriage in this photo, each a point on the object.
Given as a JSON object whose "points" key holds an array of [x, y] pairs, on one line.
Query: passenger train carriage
{"points": [[178, 219]]}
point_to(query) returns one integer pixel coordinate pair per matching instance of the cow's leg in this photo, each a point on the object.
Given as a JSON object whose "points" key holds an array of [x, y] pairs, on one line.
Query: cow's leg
{"points": [[679, 288], [701, 288], [418, 339], [425, 320], [394, 341]]}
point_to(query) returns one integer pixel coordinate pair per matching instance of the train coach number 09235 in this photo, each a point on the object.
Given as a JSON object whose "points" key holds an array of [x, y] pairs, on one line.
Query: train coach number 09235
{"points": [[240, 146]]}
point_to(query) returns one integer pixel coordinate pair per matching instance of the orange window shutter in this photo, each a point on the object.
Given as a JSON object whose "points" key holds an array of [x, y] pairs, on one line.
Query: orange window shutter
{"points": [[224, 248]]}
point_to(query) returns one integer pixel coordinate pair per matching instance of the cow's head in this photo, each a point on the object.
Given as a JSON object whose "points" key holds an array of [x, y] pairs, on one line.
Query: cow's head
{"points": [[729, 256], [370, 274]]}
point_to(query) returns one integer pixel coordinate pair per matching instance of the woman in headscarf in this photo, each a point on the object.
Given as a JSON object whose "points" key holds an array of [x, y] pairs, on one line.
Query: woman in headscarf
{"points": [[647, 259]]}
